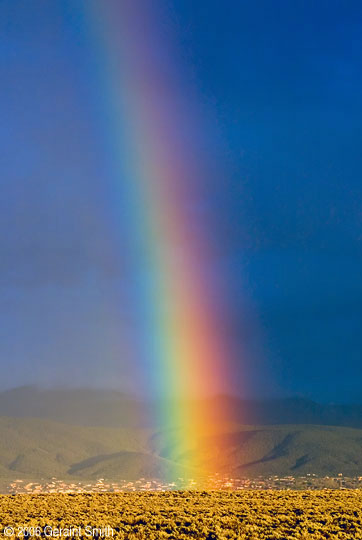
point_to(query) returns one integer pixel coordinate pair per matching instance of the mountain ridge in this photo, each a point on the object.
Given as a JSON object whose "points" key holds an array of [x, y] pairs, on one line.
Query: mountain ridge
{"points": [[38, 448], [111, 408], [87, 434]]}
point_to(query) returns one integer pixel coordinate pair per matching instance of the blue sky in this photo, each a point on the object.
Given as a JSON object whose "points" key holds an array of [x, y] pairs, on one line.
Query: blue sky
{"points": [[278, 90]]}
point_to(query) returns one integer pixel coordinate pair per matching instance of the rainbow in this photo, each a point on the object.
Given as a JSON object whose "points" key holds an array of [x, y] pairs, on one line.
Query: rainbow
{"points": [[156, 170]]}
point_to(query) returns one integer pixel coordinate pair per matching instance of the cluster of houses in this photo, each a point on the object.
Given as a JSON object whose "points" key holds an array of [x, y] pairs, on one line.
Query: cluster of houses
{"points": [[55, 485], [101, 485]]}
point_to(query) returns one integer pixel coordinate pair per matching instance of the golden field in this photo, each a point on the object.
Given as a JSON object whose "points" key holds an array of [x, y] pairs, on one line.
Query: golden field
{"points": [[249, 514]]}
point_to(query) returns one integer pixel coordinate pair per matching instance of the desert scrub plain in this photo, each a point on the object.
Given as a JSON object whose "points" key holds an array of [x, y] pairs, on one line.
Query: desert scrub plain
{"points": [[210, 515]]}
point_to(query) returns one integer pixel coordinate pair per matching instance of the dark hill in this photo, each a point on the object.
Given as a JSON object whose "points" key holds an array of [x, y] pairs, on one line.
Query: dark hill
{"points": [[87, 407], [38, 448], [81, 406]]}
